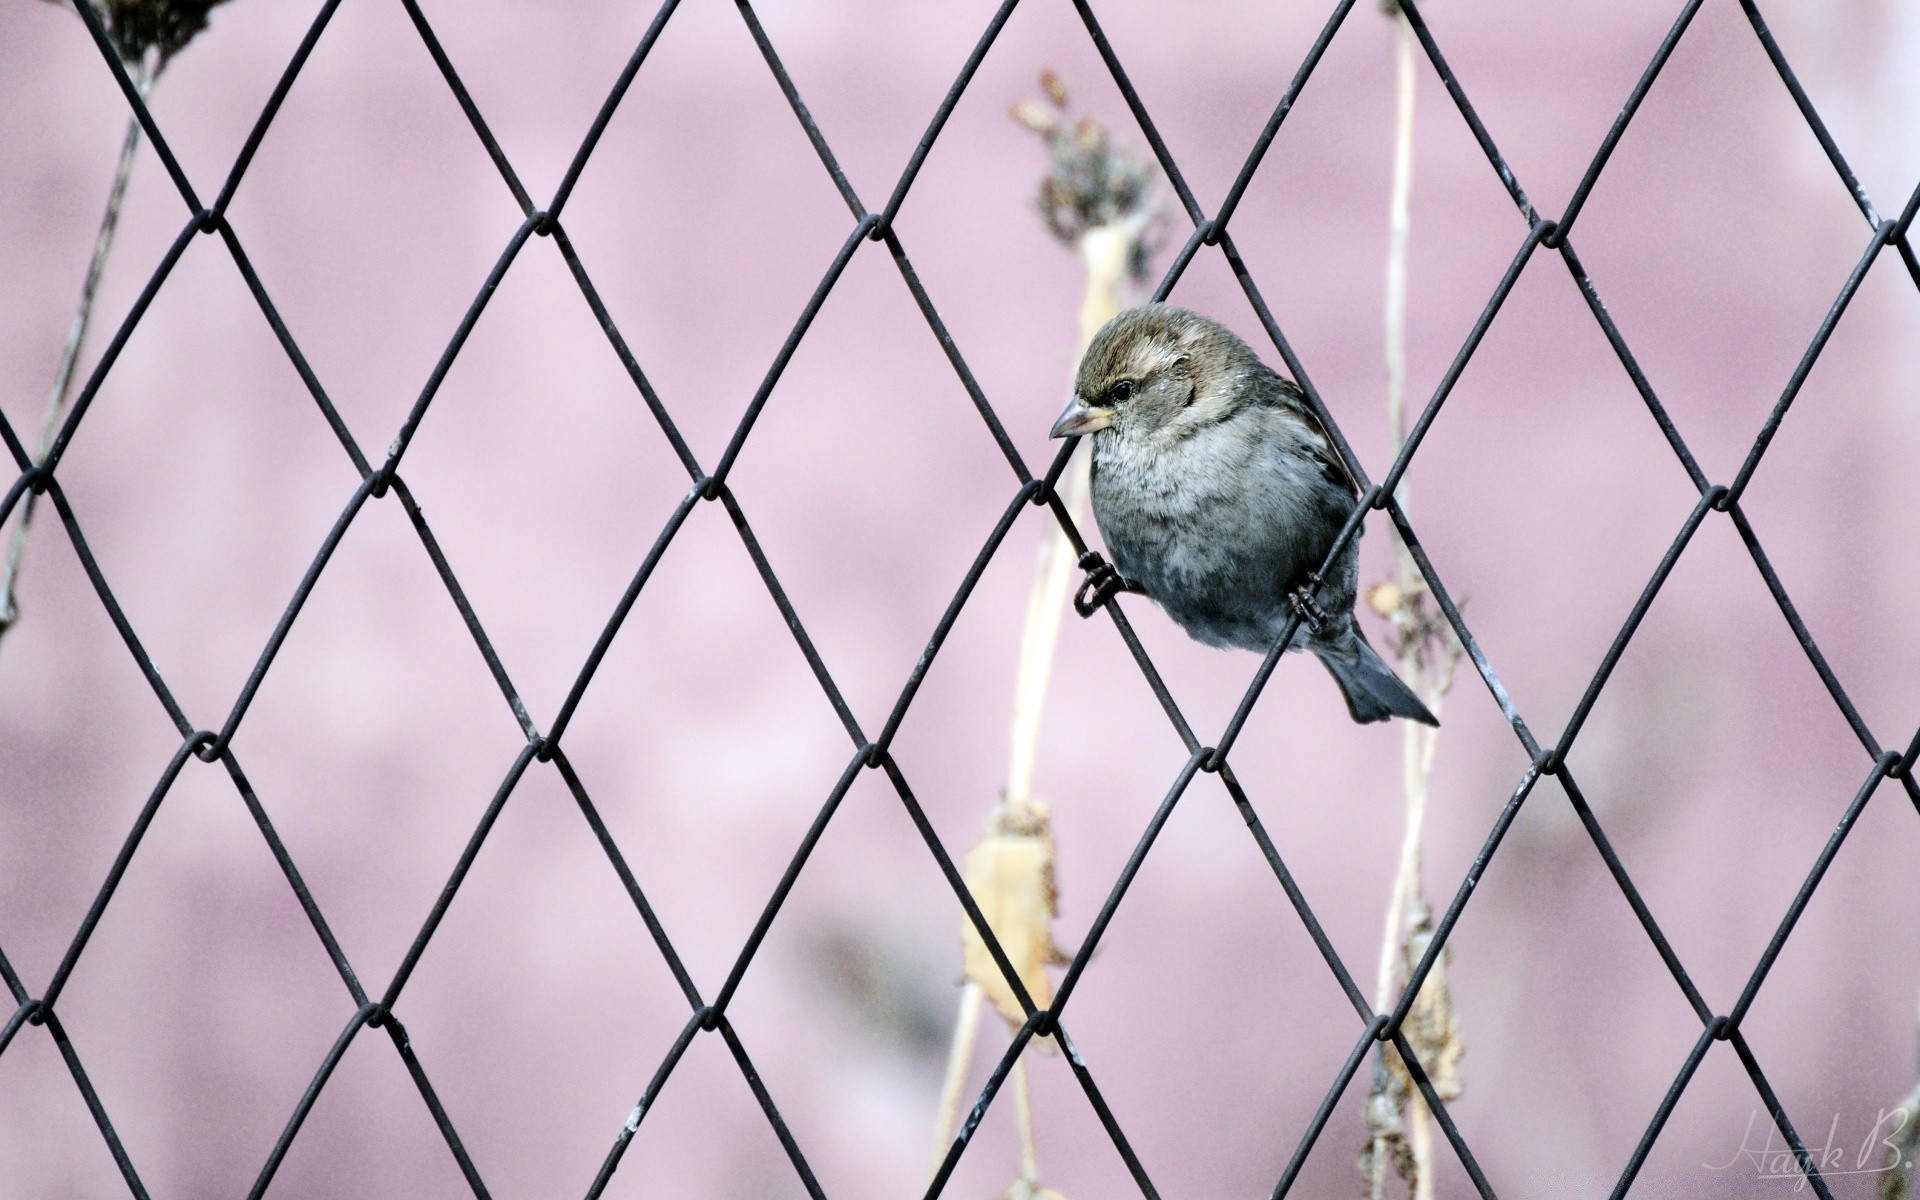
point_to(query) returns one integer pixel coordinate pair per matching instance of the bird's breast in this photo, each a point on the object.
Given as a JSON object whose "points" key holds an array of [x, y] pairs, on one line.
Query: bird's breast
{"points": [[1216, 529]]}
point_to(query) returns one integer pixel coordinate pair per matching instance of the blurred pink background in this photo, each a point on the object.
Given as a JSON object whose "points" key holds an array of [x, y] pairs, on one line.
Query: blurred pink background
{"points": [[205, 480]]}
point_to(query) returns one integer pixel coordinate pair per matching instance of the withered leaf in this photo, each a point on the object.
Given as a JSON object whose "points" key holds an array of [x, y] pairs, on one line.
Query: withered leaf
{"points": [[1010, 874]]}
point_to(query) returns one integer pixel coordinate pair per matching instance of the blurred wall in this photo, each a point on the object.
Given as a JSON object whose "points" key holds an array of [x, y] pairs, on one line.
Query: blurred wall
{"points": [[205, 479]]}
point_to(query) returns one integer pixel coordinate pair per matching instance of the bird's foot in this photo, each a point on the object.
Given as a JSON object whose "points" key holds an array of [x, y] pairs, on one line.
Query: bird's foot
{"points": [[1308, 609], [1101, 584]]}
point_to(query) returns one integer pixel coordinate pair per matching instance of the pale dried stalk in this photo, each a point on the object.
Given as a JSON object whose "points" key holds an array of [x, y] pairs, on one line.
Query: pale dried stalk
{"points": [[966, 1025], [1023, 1117], [1420, 1146], [1022, 1190], [1106, 251], [1401, 1136], [143, 75], [1407, 575]]}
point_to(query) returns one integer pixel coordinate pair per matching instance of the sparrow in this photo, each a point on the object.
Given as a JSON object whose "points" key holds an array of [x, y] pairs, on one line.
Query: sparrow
{"points": [[1219, 497]]}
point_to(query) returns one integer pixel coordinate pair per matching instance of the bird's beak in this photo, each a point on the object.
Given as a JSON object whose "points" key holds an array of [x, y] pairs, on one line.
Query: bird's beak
{"points": [[1079, 418]]}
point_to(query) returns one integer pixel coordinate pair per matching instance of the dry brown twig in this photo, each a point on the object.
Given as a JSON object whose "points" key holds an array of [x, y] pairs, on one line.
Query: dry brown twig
{"points": [[1399, 1130], [1098, 199], [146, 34]]}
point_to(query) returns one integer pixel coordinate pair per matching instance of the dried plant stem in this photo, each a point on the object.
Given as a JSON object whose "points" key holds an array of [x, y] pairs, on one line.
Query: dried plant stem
{"points": [[966, 1026], [143, 76], [1106, 252], [1023, 1111], [1420, 1145], [1407, 575], [1430, 674]]}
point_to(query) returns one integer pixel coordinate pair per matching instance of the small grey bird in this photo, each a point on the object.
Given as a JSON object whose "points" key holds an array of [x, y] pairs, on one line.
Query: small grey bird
{"points": [[1219, 497]]}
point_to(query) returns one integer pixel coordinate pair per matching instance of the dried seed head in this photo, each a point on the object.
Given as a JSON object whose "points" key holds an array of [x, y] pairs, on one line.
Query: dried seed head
{"points": [[1433, 1032], [1421, 627], [1010, 874], [1384, 598], [1431, 1027], [1036, 116], [1090, 182], [1056, 90], [1387, 1149], [137, 26]]}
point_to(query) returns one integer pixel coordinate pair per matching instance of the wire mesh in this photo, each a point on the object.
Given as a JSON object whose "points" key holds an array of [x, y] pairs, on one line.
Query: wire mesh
{"points": [[872, 231]]}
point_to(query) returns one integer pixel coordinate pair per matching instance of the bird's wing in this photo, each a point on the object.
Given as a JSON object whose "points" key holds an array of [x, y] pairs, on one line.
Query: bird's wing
{"points": [[1331, 466], [1287, 394]]}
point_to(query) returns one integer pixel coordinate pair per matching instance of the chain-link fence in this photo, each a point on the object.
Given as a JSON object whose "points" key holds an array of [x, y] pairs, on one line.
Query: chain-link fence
{"points": [[1886, 755]]}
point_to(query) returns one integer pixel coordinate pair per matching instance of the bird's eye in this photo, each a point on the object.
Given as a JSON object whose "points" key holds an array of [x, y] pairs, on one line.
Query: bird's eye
{"points": [[1121, 390]]}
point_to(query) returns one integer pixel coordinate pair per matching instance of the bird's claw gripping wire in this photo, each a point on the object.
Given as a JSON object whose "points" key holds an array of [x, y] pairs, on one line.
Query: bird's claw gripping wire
{"points": [[1101, 584], [1309, 610]]}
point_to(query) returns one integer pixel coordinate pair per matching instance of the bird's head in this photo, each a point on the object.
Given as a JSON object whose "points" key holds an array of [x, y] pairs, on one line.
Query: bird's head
{"points": [[1158, 371]]}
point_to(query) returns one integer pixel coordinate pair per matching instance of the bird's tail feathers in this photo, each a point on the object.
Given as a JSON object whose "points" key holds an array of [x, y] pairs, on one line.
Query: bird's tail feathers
{"points": [[1373, 692]]}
